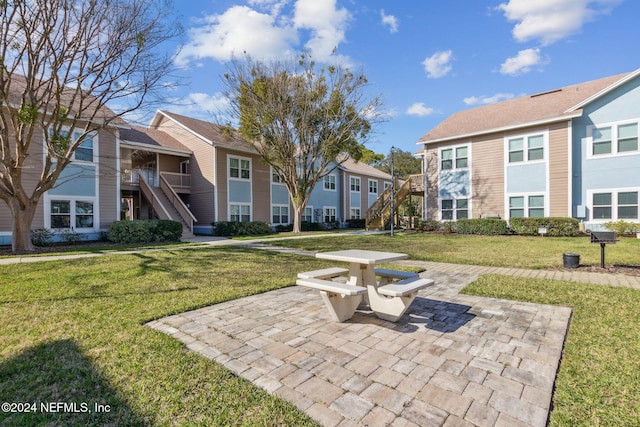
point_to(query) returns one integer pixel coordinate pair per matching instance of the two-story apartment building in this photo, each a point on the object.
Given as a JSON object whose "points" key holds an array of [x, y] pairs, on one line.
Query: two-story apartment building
{"points": [[187, 170], [571, 151], [229, 182]]}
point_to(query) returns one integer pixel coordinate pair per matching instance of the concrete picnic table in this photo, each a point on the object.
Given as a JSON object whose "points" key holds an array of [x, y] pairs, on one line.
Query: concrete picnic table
{"points": [[387, 300]]}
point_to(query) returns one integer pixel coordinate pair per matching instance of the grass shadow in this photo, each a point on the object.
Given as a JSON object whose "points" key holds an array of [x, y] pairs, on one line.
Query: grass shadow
{"points": [[61, 387]]}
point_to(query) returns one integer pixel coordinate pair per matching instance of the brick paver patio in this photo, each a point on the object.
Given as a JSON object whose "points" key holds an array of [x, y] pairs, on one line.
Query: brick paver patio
{"points": [[452, 360]]}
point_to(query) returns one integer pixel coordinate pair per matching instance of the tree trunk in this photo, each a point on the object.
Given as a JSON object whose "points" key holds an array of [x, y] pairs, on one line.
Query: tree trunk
{"points": [[297, 219], [22, 216]]}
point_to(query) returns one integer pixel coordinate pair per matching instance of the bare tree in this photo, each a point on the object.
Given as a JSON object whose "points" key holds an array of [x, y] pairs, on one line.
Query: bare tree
{"points": [[61, 63], [303, 121]]}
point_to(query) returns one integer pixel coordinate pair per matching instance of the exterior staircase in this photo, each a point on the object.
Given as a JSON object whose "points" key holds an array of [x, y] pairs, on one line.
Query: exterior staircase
{"points": [[168, 205], [379, 214]]}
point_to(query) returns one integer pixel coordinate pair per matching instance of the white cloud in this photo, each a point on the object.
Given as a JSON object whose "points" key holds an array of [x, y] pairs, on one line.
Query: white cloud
{"points": [[419, 109], [327, 25], [473, 100], [438, 65], [389, 20], [239, 29], [551, 20], [522, 62], [265, 30]]}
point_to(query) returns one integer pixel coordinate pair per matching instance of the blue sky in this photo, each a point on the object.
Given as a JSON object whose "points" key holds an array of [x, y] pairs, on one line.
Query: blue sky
{"points": [[426, 59]]}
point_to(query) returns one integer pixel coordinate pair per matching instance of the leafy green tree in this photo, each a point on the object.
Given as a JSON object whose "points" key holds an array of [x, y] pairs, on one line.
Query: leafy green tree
{"points": [[405, 164], [371, 158], [61, 63], [303, 121]]}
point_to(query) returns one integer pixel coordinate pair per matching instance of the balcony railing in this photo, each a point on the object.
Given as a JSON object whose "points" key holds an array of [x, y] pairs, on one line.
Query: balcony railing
{"points": [[177, 180], [132, 176]]}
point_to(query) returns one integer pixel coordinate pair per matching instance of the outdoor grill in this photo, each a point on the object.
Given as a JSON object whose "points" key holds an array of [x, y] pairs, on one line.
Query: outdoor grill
{"points": [[603, 237]]}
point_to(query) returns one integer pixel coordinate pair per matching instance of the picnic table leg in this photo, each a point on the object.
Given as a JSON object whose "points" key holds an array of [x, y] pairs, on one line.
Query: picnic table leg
{"points": [[341, 307], [389, 308]]}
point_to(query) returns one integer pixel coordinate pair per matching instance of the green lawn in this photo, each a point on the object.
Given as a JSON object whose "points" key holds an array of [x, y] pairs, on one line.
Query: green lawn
{"points": [[498, 251], [73, 331]]}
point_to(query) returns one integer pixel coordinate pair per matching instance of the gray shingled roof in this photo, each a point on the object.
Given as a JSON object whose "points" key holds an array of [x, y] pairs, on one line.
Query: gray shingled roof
{"points": [[351, 165], [211, 132], [537, 108], [151, 137]]}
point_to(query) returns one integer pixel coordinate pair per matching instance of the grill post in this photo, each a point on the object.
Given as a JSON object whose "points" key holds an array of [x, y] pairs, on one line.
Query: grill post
{"points": [[603, 237]]}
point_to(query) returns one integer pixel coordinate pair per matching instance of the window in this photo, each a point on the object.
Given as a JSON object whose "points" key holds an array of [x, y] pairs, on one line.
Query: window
{"points": [[446, 157], [516, 207], [602, 206], [461, 157], [84, 151], [84, 214], [71, 214], [329, 214], [454, 209], [457, 158], [355, 213], [613, 139], [330, 182], [240, 213], [387, 185], [60, 214], [239, 168], [526, 206], [526, 148], [275, 177], [602, 141], [614, 205], [280, 215], [307, 215], [536, 206], [373, 187], [628, 137], [628, 205], [355, 184]]}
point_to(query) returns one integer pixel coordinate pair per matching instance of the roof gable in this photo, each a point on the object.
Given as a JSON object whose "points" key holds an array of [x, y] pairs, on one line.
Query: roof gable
{"points": [[209, 132], [545, 107]]}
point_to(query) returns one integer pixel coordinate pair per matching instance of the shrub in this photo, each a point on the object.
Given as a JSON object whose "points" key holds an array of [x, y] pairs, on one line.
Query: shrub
{"points": [[145, 231], [310, 226], [483, 226], [234, 228], [70, 236], [556, 226], [623, 227], [283, 228], [449, 226], [356, 223], [41, 237], [428, 225]]}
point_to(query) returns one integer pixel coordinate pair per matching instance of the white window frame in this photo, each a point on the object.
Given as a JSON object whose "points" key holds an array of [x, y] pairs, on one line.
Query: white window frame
{"points": [[355, 184], [526, 149], [93, 136], [454, 157], [355, 213], [615, 140], [614, 203], [329, 183], [305, 215], [526, 206], [240, 214], [72, 214], [280, 208], [275, 178], [454, 208], [324, 213], [373, 185], [387, 184], [240, 168]]}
